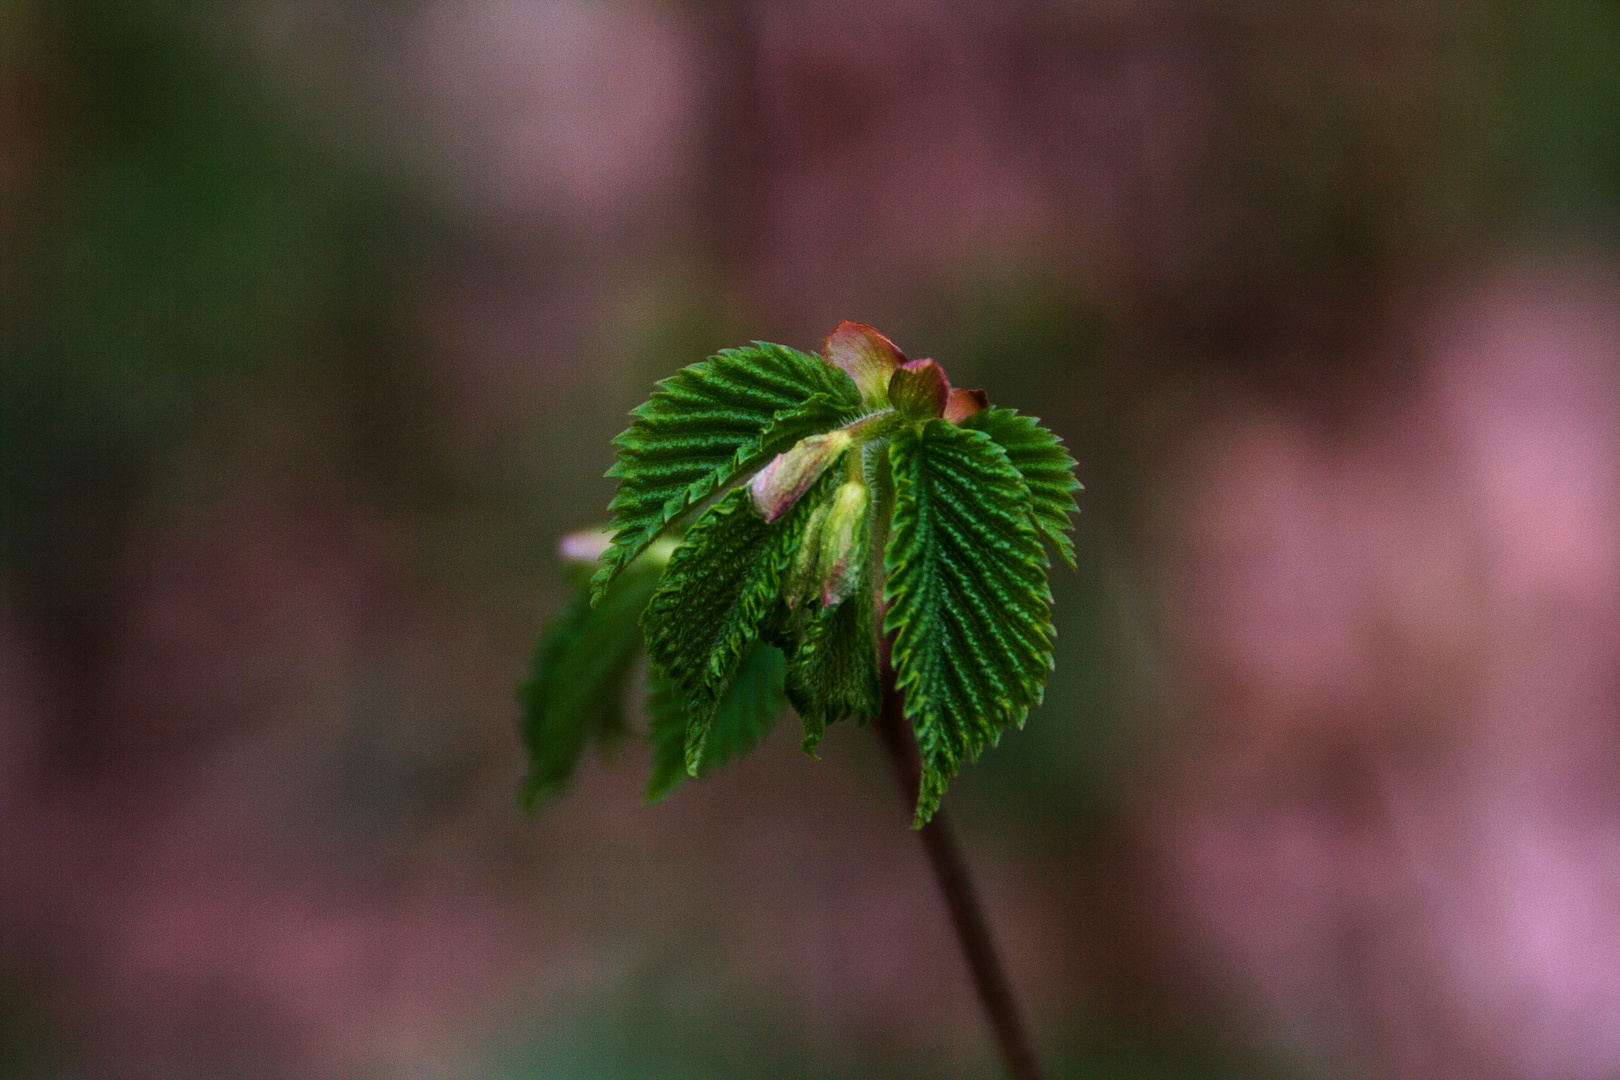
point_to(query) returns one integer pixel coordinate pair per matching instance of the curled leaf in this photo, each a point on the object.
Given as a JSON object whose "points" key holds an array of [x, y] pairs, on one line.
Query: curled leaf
{"points": [[719, 596], [801, 581]]}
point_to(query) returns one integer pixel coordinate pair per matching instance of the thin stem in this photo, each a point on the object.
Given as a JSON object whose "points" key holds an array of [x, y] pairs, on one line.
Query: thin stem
{"points": [[956, 885]]}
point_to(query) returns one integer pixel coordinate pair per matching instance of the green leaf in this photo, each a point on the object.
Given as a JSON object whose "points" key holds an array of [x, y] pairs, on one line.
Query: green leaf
{"points": [[967, 595], [834, 671], [1047, 468], [577, 680], [721, 593], [753, 704], [708, 423], [666, 732]]}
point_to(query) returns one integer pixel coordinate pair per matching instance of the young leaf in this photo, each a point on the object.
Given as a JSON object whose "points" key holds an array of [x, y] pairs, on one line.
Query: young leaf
{"points": [[834, 670], [752, 705], [721, 592], [708, 423], [1046, 467], [576, 683], [968, 601]]}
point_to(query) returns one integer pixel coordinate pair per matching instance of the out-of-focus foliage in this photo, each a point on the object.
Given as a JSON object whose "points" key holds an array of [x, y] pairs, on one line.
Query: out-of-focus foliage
{"points": [[186, 265], [754, 702], [577, 683]]}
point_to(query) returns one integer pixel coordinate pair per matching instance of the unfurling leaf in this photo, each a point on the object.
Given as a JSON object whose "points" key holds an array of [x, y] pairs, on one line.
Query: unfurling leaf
{"points": [[753, 704], [842, 543], [709, 423], [967, 595], [1046, 467]]}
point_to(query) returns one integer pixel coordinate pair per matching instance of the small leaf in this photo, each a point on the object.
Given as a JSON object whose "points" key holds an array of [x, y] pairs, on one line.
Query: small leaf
{"points": [[834, 670], [967, 595], [721, 593], [577, 680], [752, 706], [1040, 458], [866, 356], [919, 390], [708, 423]]}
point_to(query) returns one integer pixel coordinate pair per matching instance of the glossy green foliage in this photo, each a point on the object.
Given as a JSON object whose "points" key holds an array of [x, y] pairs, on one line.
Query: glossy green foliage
{"points": [[754, 702], [705, 425], [1045, 466], [924, 515], [967, 594]]}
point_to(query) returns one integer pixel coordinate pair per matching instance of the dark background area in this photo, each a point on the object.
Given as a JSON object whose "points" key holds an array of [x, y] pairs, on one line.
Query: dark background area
{"points": [[319, 316]]}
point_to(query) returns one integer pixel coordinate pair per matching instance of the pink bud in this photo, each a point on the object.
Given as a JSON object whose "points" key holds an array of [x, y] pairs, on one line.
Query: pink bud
{"points": [[866, 356], [961, 404], [919, 390], [776, 487]]}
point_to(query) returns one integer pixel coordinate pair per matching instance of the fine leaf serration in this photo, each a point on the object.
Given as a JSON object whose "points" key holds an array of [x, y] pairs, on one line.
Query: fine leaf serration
{"points": [[704, 426], [967, 595], [834, 527], [1046, 467]]}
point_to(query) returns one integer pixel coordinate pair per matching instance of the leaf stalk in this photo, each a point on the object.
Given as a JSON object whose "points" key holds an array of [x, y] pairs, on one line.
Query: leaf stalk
{"points": [[955, 884]]}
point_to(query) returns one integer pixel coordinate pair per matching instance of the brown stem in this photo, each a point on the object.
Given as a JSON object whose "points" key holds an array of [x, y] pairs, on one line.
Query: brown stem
{"points": [[956, 884]]}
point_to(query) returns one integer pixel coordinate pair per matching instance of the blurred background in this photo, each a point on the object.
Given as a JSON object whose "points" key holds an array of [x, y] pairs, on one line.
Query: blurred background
{"points": [[319, 316]]}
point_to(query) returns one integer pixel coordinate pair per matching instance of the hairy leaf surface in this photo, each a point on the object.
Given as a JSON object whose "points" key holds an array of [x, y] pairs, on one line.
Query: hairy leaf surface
{"points": [[967, 595], [721, 593], [1048, 470], [708, 423], [752, 706], [576, 684]]}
